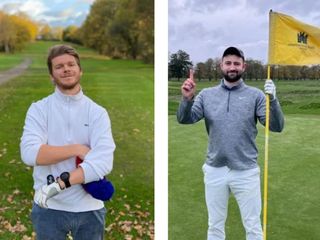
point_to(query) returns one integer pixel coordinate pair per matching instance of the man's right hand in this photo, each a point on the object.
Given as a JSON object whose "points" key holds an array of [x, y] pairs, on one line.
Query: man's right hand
{"points": [[188, 88], [82, 150]]}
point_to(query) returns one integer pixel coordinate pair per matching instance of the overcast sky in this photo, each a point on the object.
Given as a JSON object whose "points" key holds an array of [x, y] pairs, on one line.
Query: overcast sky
{"points": [[55, 12], [204, 28]]}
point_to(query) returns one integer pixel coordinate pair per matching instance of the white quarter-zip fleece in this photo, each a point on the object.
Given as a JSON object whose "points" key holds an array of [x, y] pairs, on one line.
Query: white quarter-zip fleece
{"points": [[59, 120]]}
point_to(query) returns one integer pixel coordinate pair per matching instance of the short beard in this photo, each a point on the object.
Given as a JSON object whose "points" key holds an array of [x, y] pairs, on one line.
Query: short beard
{"points": [[232, 79], [65, 86]]}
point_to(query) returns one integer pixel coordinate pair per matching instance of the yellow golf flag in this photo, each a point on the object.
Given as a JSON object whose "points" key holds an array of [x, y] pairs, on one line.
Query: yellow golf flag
{"points": [[292, 42]]}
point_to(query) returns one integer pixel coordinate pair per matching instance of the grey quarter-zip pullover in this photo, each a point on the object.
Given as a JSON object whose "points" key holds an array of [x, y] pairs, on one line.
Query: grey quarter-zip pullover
{"points": [[231, 116]]}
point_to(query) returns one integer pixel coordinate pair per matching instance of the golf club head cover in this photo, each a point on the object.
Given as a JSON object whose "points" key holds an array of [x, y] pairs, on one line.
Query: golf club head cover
{"points": [[102, 189]]}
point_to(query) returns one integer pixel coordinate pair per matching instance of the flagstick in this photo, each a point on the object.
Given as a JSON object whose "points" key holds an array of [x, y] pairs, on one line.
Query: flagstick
{"points": [[266, 158]]}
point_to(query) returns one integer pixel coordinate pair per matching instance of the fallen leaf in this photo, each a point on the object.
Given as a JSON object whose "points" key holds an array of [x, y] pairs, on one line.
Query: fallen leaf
{"points": [[16, 192], [128, 237], [127, 206], [136, 130], [3, 210], [10, 198]]}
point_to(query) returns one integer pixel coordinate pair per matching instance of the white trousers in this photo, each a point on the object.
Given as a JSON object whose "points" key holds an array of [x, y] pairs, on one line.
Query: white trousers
{"points": [[245, 186]]}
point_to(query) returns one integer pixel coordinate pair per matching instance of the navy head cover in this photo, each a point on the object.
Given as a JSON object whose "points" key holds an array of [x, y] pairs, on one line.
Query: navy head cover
{"points": [[102, 189]]}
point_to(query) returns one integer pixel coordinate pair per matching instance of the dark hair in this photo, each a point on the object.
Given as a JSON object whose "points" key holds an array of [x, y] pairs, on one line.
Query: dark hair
{"points": [[59, 50]]}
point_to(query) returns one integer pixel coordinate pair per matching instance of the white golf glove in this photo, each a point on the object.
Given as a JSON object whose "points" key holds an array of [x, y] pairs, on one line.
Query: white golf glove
{"points": [[270, 88], [45, 192]]}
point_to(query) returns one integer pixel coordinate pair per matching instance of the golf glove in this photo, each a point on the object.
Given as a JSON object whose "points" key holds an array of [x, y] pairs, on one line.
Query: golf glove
{"points": [[270, 88], [46, 192]]}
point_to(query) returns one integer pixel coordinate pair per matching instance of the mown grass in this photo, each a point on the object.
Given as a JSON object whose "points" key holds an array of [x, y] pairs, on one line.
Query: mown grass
{"points": [[293, 193], [8, 61], [125, 89]]}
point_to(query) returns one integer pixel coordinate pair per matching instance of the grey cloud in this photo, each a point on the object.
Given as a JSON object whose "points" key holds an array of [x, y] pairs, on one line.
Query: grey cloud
{"points": [[297, 7], [200, 6]]}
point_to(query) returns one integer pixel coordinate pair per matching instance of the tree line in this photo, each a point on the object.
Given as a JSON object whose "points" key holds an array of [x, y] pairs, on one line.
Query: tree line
{"points": [[180, 63], [116, 28]]}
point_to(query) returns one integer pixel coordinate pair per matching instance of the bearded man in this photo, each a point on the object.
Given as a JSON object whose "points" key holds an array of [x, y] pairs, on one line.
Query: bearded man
{"points": [[231, 111]]}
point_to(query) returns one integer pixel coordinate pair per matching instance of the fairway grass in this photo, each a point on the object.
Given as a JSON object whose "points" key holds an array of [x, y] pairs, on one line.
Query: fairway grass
{"points": [[125, 89], [293, 193], [8, 61]]}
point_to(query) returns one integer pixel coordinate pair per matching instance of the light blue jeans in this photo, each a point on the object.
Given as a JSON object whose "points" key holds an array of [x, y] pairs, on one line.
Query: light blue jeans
{"points": [[52, 224], [245, 186]]}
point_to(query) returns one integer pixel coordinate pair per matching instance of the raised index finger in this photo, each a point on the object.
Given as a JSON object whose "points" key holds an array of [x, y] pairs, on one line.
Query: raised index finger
{"points": [[191, 75]]}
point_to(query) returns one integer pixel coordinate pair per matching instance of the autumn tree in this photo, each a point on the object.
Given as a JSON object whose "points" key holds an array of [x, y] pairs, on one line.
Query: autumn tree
{"points": [[45, 32], [15, 31], [94, 31], [57, 33], [29, 24], [120, 28], [71, 34], [22, 34], [7, 33], [133, 24]]}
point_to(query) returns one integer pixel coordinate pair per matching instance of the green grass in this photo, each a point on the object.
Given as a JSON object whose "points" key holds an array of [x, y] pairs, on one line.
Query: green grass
{"points": [[8, 61], [125, 89], [293, 193]]}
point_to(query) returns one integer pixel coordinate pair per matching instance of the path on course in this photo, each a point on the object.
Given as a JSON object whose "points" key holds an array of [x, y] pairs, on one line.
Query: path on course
{"points": [[15, 72]]}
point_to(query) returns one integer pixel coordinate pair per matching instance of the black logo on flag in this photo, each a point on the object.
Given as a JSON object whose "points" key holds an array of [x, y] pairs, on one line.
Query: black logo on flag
{"points": [[302, 37]]}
